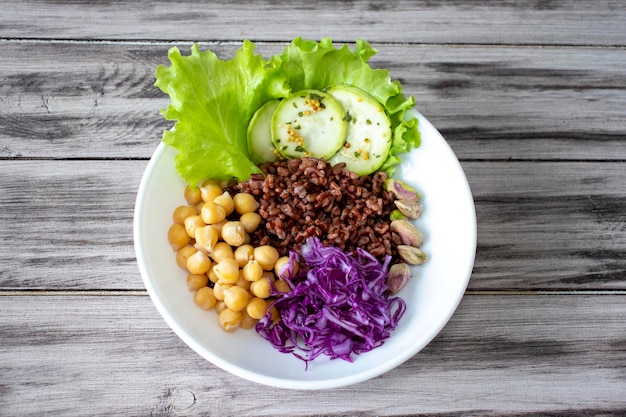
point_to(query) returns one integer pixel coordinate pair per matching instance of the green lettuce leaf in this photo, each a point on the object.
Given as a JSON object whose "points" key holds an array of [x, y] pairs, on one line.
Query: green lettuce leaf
{"points": [[212, 101], [318, 65]]}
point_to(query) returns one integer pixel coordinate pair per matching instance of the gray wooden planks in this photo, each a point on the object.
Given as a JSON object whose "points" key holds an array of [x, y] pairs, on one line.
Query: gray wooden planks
{"points": [[77, 100], [563, 22], [499, 355]]}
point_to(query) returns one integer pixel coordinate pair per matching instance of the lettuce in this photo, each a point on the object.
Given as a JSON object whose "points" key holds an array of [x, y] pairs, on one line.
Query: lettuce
{"points": [[213, 100]]}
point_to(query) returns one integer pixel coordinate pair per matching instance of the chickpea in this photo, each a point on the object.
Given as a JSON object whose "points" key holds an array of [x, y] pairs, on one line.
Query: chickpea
{"points": [[242, 282], [266, 256], [281, 268], [218, 226], [275, 314], [245, 203], [183, 254], [177, 236], [198, 263], [222, 250], [209, 190], [227, 270], [226, 202], [206, 238], [282, 285], [192, 223], [234, 233], [236, 298], [261, 288], [219, 289], [229, 319], [256, 308], [197, 281], [243, 254], [247, 322], [182, 212], [204, 298], [250, 221], [252, 271], [212, 213], [220, 306], [212, 275], [193, 197]]}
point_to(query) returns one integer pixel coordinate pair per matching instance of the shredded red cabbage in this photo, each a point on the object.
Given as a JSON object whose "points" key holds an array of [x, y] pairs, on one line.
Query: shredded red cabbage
{"points": [[338, 305]]}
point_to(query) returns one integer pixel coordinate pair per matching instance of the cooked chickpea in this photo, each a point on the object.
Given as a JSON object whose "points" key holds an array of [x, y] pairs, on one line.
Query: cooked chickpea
{"points": [[226, 202], [234, 233], [177, 236], [183, 254], [247, 322], [197, 281], [206, 238], [192, 223], [252, 271], [204, 298], [261, 288], [222, 250], [182, 212], [245, 203], [227, 270], [275, 314], [209, 190], [198, 263], [282, 285], [218, 290], [281, 267], [250, 221], [229, 319], [236, 298], [242, 282], [267, 256], [212, 275], [243, 254], [218, 226], [256, 308], [212, 213], [219, 306], [192, 196]]}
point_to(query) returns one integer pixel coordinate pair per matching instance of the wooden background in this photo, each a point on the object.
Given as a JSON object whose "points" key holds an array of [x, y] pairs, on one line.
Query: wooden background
{"points": [[531, 95]]}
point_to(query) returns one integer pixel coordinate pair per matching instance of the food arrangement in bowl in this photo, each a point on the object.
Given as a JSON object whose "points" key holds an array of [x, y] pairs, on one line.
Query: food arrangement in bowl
{"points": [[288, 194]]}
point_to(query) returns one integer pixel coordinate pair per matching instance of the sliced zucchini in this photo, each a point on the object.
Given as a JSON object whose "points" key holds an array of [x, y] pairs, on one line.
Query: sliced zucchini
{"points": [[369, 131], [309, 123], [260, 146]]}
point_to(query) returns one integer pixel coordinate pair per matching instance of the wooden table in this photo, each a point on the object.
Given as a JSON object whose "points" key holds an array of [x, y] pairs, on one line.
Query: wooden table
{"points": [[530, 95]]}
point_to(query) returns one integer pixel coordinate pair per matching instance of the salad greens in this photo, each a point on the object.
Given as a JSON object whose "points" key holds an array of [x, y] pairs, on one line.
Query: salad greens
{"points": [[212, 100]]}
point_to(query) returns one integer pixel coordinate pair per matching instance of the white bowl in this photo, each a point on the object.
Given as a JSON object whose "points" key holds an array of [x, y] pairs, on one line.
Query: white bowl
{"points": [[432, 295]]}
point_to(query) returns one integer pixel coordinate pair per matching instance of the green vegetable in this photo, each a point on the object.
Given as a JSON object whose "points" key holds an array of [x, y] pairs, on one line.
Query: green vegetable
{"points": [[212, 102], [319, 65]]}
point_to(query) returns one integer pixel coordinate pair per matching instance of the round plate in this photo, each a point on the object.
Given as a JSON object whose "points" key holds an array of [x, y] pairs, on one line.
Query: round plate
{"points": [[448, 224]]}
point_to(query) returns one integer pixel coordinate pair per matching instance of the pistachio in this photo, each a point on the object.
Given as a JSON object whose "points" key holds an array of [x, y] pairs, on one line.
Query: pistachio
{"points": [[398, 276], [411, 209], [401, 190], [396, 215], [408, 233], [411, 254]]}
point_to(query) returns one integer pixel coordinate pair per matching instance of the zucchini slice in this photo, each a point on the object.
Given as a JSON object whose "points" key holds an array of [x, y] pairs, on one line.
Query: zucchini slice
{"points": [[309, 123], [260, 146], [369, 131]]}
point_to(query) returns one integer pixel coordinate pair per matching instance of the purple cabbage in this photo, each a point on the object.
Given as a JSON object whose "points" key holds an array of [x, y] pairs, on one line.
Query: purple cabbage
{"points": [[338, 305]]}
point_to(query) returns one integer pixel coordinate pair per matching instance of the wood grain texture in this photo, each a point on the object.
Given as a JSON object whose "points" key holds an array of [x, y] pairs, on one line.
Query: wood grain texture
{"points": [[77, 100], [536, 22], [549, 225], [499, 355]]}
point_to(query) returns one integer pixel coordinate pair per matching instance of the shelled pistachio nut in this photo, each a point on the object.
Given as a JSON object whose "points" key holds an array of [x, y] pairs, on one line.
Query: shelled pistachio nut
{"points": [[407, 232], [399, 275], [411, 254]]}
